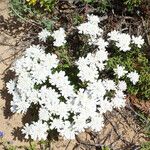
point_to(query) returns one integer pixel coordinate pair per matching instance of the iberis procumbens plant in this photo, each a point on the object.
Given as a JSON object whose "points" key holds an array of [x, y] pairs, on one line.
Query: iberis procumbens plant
{"points": [[63, 105]]}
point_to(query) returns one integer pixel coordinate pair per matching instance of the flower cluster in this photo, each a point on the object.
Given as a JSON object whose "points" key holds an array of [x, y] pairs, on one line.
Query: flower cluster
{"points": [[133, 76], [61, 105], [123, 40], [58, 36]]}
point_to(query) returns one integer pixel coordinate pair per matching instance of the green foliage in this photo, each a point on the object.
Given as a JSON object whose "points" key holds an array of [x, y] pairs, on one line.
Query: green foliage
{"points": [[31, 9], [132, 3], [32, 146], [105, 148], [77, 19], [48, 24], [8, 146], [135, 60], [20, 7], [101, 5], [145, 146], [104, 5], [48, 4], [144, 121], [88, 1], [11, 148]]}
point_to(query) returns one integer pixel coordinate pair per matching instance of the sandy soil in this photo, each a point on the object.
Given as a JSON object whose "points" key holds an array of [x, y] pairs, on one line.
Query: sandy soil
{"points": [[121, 130], [8, 123], [4, 8]]}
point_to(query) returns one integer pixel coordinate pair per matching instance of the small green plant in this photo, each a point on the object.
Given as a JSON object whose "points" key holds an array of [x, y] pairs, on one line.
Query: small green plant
{"points": [[88, 1], [145, 146], [132, 3], [77, 19], [101, 5], [46, 4], [32, 9], [8, 146], [104, 5], [144, 121], [20, 7], [12, 148], [48, 24], [32, 146], [105, 148]]}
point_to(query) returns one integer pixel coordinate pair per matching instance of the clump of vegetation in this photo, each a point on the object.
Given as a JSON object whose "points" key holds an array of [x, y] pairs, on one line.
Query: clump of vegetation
{"points": [[45, 4], [138, 60], [62, 85], [127, 60], [101, 6], [131, 4], [145, 146]]}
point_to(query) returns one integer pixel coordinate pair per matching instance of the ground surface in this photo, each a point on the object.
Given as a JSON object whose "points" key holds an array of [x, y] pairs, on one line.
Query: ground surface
{"points": [[121, 130], [8, 123]]}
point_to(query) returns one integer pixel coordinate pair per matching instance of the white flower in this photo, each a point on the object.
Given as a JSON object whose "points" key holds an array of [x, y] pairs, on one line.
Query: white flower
{"points": [[80, 124], [57, 124], [37, 130], [93, 19], [91, 28], [101, 43], [68, 133], [27, 130], [87, 73], [138, 41], [48, 97], [90, 65], [122, 85], [134, 77], [113, 35], [59, 37], [109, 84], [122, 40], [44, 114], [43, 35], [119, 100], [87, 69], [101, 56], [120, 71], [105, 106], [62, 110], [97, 123], [19, 104], [97, 89], [62, 83], [11, 86]]}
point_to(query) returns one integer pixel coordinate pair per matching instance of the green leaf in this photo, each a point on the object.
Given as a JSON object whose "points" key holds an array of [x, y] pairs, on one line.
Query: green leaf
{"points": [[88, 1]]}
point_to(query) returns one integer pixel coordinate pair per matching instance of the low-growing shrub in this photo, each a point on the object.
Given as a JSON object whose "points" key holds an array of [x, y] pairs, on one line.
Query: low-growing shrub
{"points": [[71, 90]]}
